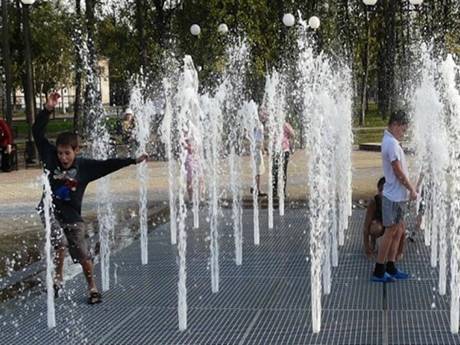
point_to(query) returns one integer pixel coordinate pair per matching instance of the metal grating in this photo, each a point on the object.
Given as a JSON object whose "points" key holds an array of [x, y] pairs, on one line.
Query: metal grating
{"points": [[416, 295], [339, 327], [420, 328], [265, 301]]}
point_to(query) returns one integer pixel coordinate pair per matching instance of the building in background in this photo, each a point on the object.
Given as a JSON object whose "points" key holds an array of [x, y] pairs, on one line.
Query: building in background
{"points": [[67, 92]]}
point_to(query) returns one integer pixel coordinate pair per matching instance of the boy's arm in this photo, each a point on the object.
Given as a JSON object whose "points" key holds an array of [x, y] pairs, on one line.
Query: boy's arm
{"points": [[41, 122], [394, 156], [96, 169], [404, 179], [38, 131]]}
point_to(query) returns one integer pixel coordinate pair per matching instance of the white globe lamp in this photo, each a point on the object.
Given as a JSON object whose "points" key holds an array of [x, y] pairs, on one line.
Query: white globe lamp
{"points": [[314, 22], [222, 29], [416, 2], [370, 2], [288, 20], [195, 30]]}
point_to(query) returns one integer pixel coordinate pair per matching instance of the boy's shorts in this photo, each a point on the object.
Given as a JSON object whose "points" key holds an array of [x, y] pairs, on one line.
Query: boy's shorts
{"points": [[392, 212], [74, 236]]}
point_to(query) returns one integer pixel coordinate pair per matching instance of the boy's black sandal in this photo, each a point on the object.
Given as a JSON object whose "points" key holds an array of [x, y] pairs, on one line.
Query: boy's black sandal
{"points": [[94, 297], [57, 288]]}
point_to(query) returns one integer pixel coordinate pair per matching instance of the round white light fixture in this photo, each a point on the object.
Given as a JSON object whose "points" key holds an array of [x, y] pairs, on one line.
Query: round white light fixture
{"points": [[28, 2], [195, 30], [416, 2], [370, 2], [288, 20], [223, 28], [314, 22]]}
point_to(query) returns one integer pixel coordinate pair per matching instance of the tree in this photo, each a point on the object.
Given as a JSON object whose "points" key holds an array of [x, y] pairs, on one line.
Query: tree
{"points": [[52, 47], [6, 55]]}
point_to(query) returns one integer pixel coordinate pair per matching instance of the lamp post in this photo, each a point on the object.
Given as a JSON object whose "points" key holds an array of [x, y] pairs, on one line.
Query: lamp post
{"points": [[28, 86], [7, 63]]}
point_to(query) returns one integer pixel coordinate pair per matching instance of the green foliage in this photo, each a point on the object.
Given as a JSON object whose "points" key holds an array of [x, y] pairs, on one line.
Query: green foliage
{"points": [[112, 34], [343, 32], [52, 46]]}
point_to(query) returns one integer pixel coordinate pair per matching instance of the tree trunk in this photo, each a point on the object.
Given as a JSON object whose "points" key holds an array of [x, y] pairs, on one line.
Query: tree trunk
{"points": [[140, 25], [28, 81], [7, 63], [160, 22], [78, 69], [386, 60], [365, 61], [92, 95]]}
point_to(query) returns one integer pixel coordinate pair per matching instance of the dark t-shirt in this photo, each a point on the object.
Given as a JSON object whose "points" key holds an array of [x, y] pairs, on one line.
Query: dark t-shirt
{"points": [[68, 186]]}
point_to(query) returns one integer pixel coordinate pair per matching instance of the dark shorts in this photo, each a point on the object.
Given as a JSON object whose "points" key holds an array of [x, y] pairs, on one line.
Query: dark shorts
{"points": [[73, 236], [392, 212]]}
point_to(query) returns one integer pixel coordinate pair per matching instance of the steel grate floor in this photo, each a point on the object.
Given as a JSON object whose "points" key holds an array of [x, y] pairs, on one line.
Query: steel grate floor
{"points": [[265, 301]]}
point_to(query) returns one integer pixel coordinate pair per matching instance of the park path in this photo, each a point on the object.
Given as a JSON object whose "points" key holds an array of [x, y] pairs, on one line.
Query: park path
{"points": [[20, 190], [264, 301]]}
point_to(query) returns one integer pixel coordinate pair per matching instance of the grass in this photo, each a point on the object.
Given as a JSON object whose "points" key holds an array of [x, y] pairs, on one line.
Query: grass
{"points": [[373, 120], [368, 136], [372, 131], [54, 127]]}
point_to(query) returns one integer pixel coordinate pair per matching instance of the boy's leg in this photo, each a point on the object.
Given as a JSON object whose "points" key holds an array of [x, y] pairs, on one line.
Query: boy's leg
{"points": [[380, 274], [393, 252], [391, 223], [387, 242], [59, 265], [392, 255], [376, 230], [87, 266], [79, 250]]}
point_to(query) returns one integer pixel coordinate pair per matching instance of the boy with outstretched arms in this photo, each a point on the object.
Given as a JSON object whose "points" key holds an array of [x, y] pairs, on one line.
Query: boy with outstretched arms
{"points": [[68, 176]]}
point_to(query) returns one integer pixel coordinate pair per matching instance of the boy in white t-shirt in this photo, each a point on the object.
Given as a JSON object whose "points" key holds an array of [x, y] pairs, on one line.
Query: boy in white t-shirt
{"points": [[396, 192]]}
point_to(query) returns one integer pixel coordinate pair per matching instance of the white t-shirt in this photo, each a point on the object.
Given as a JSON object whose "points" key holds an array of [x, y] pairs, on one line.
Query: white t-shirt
{"points": [[392, 151]]}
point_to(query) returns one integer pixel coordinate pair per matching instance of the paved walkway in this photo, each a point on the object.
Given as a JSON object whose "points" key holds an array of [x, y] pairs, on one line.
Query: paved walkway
{"points": [[20, 190], [265, 301]]}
